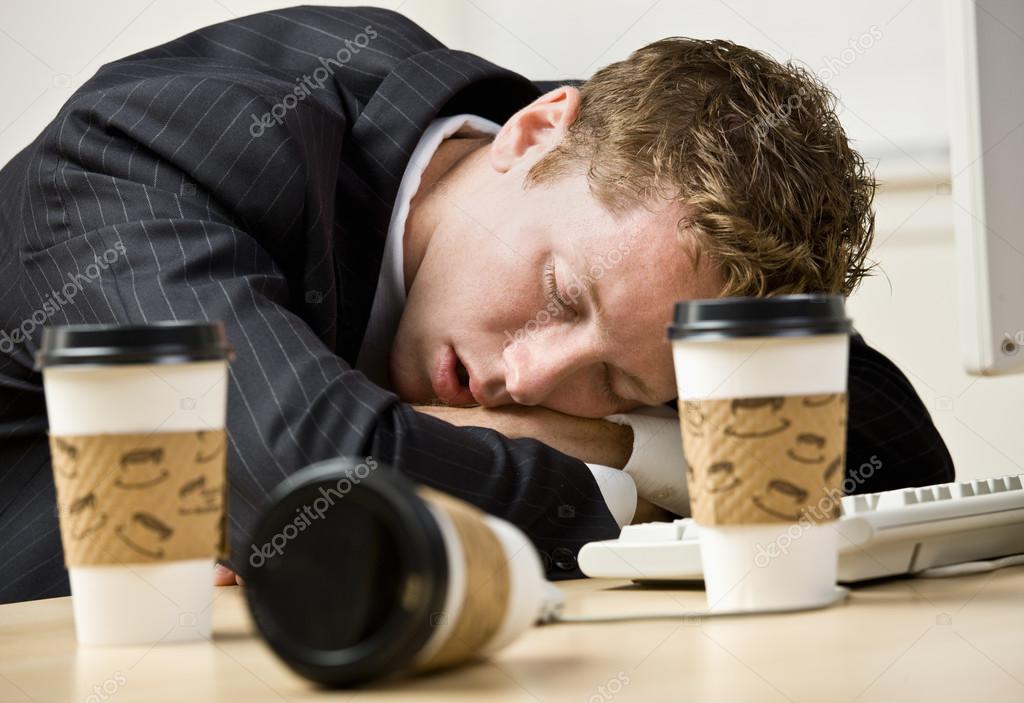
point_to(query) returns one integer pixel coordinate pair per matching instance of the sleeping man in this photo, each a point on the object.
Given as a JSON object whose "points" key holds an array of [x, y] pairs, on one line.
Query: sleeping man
{"points": [[427, 259]]}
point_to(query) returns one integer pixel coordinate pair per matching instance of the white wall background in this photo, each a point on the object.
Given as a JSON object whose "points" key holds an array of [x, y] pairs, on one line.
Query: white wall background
{"points": [[892, 87]]}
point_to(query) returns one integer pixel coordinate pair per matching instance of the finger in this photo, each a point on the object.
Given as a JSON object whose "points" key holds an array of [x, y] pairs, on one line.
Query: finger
{"points": [[223, 576]]}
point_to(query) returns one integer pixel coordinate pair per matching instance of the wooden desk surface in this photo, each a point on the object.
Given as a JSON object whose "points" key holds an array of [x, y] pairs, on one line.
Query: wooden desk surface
{"points": [[956, 639]]}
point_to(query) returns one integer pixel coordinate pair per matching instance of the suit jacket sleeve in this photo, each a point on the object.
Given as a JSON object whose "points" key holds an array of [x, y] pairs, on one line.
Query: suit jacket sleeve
{"points": [[891, 439], [112, 177]]}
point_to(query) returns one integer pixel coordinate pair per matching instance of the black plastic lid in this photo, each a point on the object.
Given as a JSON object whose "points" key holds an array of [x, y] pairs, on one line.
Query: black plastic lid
{"points": [[357, 586], [778, 316], [153, 343]]}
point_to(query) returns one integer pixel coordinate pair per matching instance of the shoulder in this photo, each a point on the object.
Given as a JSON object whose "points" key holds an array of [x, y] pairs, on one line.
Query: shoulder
{"points": [[367, 41]]}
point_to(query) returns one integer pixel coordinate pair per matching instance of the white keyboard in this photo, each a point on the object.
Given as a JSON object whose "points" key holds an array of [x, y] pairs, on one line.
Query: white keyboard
{"points": [[901, 532]]}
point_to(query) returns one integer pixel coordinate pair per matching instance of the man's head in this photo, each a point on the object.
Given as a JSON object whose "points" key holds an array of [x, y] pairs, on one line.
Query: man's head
{"points": [[543, 265]]}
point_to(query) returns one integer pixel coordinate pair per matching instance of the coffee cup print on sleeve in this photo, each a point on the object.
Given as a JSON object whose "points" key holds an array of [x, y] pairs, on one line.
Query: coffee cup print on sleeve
{"points": [[139, 498], [765, 459]]}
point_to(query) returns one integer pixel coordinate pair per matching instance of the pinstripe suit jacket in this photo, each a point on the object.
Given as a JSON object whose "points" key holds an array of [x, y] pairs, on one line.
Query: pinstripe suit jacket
{"points": [[246, 173]]}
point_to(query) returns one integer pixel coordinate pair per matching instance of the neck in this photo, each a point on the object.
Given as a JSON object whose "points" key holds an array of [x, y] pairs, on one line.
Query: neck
{"points": [[441, 185]]}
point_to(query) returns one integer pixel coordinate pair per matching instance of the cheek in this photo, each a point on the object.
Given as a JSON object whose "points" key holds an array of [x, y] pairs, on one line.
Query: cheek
{"points": [[474, 284], [581, 394], [663, 380], [504, 290]]}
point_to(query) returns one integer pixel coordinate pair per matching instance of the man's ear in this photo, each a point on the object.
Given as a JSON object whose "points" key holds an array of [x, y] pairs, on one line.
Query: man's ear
{"points": [[535, 129]]}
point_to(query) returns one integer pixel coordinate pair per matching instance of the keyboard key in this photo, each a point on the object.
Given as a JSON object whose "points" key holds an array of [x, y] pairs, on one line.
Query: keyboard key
{"points": [[964, 490], [894, 500], [652, 532], [691, 530]]}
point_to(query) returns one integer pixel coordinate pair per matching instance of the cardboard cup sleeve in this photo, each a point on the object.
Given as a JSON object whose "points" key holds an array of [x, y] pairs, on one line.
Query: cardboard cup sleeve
{"points": [[140, 498], [776, 459], [488, 583]]}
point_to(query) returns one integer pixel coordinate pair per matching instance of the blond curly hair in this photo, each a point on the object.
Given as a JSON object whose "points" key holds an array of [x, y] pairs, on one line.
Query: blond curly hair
{"points": [[753, 149]]}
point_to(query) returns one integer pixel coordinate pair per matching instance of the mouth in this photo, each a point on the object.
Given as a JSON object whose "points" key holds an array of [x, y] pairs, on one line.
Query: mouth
{"points": [[451, 380]]}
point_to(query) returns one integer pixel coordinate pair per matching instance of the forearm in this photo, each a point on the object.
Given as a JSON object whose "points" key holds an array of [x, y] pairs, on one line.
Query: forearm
{"points": [[593, 441]]}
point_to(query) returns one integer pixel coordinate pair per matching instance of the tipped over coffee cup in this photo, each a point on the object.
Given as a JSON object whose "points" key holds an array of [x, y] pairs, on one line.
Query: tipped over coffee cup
{"points": [[762, 406]]}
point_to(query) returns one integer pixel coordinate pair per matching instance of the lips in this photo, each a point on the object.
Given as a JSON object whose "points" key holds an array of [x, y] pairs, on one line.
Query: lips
{"points": [[451, 380]]}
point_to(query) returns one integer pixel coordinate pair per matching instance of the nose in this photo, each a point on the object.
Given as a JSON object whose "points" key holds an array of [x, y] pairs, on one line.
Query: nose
{"points": [[534, 370], [489, 391]]}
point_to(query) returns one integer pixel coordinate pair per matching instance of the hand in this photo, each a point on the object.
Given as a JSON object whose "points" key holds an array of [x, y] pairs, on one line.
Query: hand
{"points": [[223, 576], [593, 441], [649, 512]]}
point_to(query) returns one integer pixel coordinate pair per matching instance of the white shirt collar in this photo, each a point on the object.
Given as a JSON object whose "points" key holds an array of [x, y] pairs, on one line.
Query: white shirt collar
{"points": [[389, 300]]}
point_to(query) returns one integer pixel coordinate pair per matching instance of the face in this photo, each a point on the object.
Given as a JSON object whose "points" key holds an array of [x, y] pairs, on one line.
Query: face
{"points": [[539, 295]]}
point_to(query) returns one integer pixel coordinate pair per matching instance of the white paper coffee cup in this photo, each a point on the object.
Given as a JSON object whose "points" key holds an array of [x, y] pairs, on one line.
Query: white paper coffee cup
{"points": [[779, 349], [142, 380]]}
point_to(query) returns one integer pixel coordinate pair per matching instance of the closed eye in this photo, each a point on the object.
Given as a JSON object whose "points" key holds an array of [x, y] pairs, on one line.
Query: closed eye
{"points": [[609, 393], [551, 285]]}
